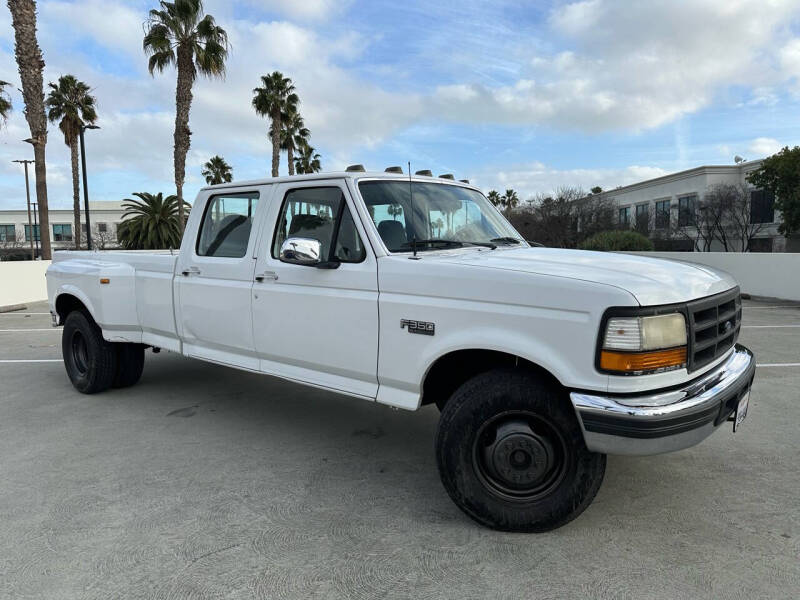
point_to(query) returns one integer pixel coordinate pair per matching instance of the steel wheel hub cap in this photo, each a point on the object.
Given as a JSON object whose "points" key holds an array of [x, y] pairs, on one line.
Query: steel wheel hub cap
{"points": [[520, 456]]}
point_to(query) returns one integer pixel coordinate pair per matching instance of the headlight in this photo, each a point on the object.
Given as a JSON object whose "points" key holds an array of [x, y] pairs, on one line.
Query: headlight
{"points": [[639, 345]]}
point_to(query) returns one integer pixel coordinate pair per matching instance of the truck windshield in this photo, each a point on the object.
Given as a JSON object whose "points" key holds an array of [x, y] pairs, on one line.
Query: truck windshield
{"points": [[444, 216]]}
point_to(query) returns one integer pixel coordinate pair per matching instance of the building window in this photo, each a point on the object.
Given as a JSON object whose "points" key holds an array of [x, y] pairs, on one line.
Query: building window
{"points": [[662, 214], [62, 232], [8, 233], [643, 217], [102, 228], [762, 206], [687, 211], [761, 245], [36, 233], [625, 215]]}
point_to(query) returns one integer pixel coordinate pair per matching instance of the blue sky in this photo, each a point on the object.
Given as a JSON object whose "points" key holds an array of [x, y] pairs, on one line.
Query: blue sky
{"points": [[509, 94]]}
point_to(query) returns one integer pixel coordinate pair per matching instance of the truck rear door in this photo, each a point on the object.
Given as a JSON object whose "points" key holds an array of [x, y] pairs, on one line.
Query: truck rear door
{"points": [[215, 275]]}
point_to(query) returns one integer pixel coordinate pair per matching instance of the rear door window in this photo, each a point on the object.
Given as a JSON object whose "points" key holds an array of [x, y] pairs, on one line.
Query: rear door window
{"points": [[227, 224]]}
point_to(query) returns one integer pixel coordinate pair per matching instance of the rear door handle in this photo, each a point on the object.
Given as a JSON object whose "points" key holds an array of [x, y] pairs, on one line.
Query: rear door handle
{"points": [[271, 275], [190, 271]]}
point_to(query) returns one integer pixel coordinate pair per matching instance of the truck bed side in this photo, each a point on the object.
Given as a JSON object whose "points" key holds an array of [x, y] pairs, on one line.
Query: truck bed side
{"points": [[146, 277]]}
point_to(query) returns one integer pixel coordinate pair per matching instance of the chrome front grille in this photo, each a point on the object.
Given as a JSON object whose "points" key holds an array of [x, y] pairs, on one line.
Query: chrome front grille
{"points": [[714, 324]]}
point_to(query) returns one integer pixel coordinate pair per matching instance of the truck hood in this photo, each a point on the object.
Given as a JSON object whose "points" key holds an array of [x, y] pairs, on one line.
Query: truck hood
{"points": [[650, 280]]}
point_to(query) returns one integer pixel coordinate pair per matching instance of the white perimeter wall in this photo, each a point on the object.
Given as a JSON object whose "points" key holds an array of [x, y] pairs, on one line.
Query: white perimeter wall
{"points": [[776, 275], [22, 281]]}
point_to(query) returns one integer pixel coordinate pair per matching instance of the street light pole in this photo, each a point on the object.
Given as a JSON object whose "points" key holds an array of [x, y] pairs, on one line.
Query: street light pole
{"points": [[86, 188], [26, 162]]}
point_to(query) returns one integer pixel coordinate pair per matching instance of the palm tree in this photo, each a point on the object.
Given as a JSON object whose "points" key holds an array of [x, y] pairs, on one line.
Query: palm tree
{"points": [[438, 224], [395, 210], [151, 223], [495, 198], [180, 34], [308, 161], [294, 134], [5, 102], [510, 200], [274, 98], [30, 64], [216, 170], [70, 103]]}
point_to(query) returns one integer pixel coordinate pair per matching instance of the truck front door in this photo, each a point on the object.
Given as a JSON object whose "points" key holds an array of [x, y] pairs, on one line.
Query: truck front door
{"points": [[311, 324], [215, 276]]}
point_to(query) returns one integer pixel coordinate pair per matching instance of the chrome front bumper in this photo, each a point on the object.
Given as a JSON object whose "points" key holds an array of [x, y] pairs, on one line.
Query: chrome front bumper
{"points": [[665, 420]]}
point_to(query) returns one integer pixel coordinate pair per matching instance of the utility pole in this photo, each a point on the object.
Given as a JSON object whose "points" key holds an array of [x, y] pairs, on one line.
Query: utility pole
{"points": [[85, 187], [26, 162]]}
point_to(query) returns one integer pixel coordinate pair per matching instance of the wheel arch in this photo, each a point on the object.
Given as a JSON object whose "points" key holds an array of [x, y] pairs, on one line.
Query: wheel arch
{"points": [[68, 300], [450, 370]]}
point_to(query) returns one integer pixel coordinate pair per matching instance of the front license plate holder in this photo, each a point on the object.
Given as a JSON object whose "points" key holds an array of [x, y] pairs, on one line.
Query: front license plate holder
{"points": [[741, 411]]}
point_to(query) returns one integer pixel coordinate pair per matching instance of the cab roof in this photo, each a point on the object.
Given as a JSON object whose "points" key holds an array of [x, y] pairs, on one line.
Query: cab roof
{"points": [[354, 175]]}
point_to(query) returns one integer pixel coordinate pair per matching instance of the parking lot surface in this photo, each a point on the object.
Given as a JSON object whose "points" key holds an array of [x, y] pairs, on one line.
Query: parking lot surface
{"points": [[204, 482]]}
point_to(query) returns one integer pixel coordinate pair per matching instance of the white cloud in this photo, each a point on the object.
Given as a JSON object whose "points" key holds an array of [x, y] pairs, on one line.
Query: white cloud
{"points": [[304, 9], [536, 177], [638, 65], [764, 146]]}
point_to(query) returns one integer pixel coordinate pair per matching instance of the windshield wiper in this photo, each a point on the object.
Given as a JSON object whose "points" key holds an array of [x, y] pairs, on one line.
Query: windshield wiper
{"points": [[431, 242], [507, 240], [450, 243]]}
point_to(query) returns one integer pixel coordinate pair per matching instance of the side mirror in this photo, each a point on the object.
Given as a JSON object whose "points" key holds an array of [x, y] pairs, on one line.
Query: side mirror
{"points": [[301, 251]]}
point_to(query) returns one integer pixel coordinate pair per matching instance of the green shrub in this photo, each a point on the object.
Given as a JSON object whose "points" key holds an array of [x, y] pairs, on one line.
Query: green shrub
{"points": [[617, 241]]}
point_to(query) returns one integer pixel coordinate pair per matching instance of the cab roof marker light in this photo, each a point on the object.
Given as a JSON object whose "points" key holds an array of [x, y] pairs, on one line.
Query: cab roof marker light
{"points": [[355, 169], [394, 170], [464, 180], [425, 173], [446, 176]]}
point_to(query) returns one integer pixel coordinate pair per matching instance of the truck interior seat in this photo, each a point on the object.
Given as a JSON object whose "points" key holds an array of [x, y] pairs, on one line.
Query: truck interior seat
{"points": [[232, 237], [313, 227], [393, 234]]}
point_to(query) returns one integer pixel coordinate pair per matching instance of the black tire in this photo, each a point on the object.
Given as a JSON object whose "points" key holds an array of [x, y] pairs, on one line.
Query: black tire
{"points": [[130, 364], [511, 454], [91, 362]]}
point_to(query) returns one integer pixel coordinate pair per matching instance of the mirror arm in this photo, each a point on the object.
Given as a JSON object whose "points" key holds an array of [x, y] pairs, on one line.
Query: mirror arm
{"points": [[329, 264]]}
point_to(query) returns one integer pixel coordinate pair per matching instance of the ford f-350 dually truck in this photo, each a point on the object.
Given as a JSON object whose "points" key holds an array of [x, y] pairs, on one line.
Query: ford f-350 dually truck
{"points": [[411, 291]]}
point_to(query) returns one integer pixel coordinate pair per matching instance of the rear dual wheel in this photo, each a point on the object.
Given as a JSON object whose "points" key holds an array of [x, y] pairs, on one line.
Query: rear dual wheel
{"points": [[511, 454], [93, 364]]}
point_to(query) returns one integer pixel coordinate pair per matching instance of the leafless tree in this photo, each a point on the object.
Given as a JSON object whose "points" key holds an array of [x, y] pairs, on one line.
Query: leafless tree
{"points": [[736, 229], [102, 240], [13, 248], [564, 218]]}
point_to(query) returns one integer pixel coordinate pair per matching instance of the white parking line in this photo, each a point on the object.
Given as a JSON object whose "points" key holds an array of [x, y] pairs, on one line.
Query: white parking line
{"points": [[778, 365], [21, 314], [31, 360], [48, 329], [779, 306], [769, 326]]}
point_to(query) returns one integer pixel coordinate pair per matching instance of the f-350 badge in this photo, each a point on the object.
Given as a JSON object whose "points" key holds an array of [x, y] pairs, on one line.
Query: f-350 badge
{"points": [[421, 327]]}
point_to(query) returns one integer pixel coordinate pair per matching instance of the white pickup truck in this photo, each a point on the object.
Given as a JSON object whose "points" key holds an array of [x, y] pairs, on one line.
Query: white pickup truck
{"points": [[411, 291]]}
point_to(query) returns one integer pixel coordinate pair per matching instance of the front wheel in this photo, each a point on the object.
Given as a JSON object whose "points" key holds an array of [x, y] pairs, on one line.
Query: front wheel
{"points": [[511, 454], [90, 361]]}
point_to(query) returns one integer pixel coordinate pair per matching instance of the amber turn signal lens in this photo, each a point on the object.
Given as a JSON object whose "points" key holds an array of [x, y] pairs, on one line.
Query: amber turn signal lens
{"points": [[105, 280], [633, 362]]}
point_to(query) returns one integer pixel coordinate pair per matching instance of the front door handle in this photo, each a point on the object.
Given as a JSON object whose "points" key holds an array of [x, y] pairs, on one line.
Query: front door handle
{"points": [[271, 275], [190, 271]]}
